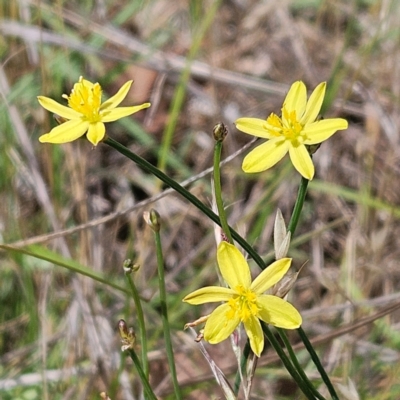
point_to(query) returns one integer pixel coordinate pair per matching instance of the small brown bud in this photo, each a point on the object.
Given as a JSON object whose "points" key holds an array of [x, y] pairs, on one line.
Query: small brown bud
{"points": [[220, 132], [199, 337], [128, 336]]}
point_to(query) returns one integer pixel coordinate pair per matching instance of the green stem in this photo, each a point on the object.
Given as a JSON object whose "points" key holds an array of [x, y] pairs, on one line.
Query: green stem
{"points": [[185, 193], [164, 315], [317, 363], [298, 206], [297, 365], [142, 326], [301, 195], [145, 382], [286, 361], [218, 190]]}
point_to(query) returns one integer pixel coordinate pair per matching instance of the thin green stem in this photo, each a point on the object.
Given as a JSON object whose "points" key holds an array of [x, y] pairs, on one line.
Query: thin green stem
{"points": [[164, 315], [317, 363], [218, 190], [286, 361], [149, 394], [140, 319], [301, 195], [298, 206], [185, 193], [297, 365]]}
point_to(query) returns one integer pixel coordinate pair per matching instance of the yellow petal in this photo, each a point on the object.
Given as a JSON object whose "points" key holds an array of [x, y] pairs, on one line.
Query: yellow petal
{"points": [[314, 104], [115, 100], [96, 133], [121, 112], [85, 83], [319, 131], [302, 161], [296, 99], [270, 275], [57, 108], [233, 266], [218, 326], [278, 312], [209, 294], [66, 132], [265, 156], [255, 335], [256, 127]]}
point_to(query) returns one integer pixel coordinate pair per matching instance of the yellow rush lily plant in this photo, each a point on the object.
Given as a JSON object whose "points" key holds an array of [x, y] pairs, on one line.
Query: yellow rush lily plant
{"points": [[244, 301], [297, 128]]}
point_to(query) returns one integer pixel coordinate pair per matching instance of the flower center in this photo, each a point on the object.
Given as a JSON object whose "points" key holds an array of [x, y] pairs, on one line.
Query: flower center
{"points": [[288, 126], [85, 98], [243, 305]]}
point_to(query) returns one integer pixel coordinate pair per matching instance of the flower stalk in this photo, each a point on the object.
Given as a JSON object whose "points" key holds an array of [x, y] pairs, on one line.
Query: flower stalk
{"points": [[128, 342], [287, 363], [301, 195], [153, 220], [219, 132], [297, 365], [298, 206], [128, 269]]}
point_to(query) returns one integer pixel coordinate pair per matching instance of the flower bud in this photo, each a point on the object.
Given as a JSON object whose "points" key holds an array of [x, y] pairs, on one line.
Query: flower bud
{"points": [[281, 237], [128, 336], [282, 288], [152, 219], [220, 132], [129, 266]]}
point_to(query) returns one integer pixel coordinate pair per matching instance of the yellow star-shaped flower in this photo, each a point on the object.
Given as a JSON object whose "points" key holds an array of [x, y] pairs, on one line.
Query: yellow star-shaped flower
{"points": [[86, 113], [290, 133], [245, 301]]}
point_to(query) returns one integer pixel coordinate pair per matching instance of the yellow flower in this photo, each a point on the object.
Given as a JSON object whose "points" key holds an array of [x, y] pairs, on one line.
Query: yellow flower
{"points": [[86, 113], [244, 300], [290, 133]]}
